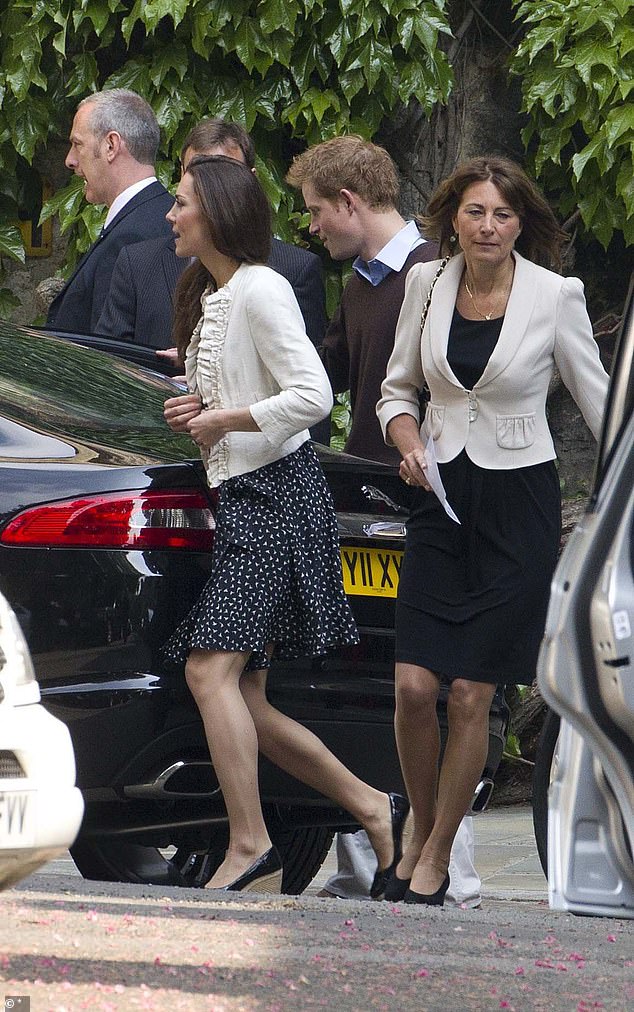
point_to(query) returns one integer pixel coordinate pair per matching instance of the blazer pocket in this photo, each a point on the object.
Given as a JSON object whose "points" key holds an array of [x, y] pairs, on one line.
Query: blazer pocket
{"points": [[434, 419], [514, 432]]}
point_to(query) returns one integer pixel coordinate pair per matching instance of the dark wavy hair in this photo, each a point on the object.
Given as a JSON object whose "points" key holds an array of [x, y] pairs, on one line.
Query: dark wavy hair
{"points": [[541, 239], [239, 220]]}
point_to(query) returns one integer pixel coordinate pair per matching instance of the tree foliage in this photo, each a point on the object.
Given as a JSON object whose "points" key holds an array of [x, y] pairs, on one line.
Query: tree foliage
{"points": [[297, 71], [576, 62], [290, 70]]}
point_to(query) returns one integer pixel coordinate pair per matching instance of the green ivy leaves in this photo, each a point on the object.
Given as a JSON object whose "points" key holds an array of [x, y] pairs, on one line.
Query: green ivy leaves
{"points": [[11, 243], [304, 70], [576, 63]]}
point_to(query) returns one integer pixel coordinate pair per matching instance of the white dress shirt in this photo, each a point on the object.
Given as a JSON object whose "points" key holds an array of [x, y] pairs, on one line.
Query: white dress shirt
{"points": [[124, 197]]}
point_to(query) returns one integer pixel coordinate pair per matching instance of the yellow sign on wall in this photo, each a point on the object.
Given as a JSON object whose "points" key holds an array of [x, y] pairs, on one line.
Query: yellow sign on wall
{"points": [[37, 239]]}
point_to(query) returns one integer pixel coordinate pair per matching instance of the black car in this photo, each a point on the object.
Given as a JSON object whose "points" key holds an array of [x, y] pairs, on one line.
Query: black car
{"points": [[106, 526]]}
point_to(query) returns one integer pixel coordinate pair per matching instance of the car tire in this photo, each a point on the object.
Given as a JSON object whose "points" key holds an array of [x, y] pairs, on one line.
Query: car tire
{"points": [[303, 853], [113, 860], [542, 775]]}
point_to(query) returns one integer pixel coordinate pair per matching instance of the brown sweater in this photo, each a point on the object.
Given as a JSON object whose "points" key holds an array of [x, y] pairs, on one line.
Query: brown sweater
{"points": [[357, 347]]}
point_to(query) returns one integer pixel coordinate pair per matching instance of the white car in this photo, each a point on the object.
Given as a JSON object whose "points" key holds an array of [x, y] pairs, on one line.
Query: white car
{"points": [[586, 674], [40, 807]]}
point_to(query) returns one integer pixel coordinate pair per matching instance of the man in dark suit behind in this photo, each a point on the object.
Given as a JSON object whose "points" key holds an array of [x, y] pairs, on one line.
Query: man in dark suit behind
{"points": [[139, 306], [113, 144]]}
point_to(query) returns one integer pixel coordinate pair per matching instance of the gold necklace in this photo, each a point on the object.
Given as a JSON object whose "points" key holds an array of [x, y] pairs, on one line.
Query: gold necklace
{"points": [[485, 316]]}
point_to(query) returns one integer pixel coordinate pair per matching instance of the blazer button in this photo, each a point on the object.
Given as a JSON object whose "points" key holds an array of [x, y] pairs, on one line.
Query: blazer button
{"points": [[472, 406]]}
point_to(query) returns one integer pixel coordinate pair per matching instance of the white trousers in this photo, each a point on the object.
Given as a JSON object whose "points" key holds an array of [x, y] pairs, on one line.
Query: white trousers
{"points": [[356, 865]]}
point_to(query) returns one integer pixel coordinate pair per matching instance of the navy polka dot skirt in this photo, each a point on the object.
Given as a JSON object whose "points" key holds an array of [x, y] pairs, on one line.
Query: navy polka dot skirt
{"points": [[276, 571]]}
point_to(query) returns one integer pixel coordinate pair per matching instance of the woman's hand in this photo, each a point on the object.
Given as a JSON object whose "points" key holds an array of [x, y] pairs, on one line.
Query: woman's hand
{"points": [[413, 469], [179, 411], [171, 355], [404, 433], [208, 427]]}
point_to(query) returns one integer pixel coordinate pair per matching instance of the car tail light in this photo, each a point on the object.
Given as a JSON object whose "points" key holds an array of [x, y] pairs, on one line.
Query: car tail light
{"points": [[139, 520]]}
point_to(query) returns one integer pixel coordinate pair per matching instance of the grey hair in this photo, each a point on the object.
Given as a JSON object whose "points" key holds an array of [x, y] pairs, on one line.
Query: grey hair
{"points": [[131, 116]]}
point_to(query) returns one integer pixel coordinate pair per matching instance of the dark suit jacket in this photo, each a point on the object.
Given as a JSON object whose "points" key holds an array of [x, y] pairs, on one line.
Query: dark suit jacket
{"points": [[79, 304], [140, 305]]}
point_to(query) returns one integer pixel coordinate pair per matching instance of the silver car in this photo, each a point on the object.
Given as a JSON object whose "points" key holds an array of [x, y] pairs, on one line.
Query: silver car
{"points": [[586, 674]]}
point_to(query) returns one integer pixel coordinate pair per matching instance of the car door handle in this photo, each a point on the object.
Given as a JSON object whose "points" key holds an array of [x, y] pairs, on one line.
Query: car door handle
{"points": [[385, 529]]}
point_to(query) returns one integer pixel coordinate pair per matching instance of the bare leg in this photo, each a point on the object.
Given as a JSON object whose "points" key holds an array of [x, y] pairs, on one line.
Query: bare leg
{"points": [[297, 750], [214, 680], [418, 742], [465, 754]]}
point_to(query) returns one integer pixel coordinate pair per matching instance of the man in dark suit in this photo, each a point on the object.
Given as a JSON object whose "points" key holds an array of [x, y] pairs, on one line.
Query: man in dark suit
{"points": [[139, 306], [113, 145]]}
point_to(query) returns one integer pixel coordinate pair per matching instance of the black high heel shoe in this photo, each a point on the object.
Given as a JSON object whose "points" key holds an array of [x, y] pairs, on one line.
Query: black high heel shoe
{"points": [[436, 899], [399, 807], [263, 876], [396, 888]]}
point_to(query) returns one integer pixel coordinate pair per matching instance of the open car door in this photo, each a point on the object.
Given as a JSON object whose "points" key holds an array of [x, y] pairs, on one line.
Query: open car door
{"points": [[586, 674]]}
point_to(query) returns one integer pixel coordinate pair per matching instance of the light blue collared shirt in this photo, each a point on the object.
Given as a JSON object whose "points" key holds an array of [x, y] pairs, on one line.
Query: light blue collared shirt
{"points": [[392, 256]]}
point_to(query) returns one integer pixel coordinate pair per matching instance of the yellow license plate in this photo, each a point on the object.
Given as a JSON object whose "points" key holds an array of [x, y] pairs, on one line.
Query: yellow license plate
{"points": [[373, 572]]}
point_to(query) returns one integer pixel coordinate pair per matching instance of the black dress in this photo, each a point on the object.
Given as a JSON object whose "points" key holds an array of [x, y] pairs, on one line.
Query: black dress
{"points": [[473, 597]]}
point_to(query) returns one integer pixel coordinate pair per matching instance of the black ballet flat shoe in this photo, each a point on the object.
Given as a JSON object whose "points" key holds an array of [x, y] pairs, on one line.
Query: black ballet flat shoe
{"points": [[436, 899], [263, 876], [396, 888], [399, 807]]}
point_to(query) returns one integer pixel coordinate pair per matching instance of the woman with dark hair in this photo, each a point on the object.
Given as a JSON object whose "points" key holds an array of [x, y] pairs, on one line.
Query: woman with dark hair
{"points": [[482, 332], [275, 583]]}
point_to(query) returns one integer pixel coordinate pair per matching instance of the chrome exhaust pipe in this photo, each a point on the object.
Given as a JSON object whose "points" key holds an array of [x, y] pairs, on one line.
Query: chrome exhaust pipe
{"points": [[179, 780]]}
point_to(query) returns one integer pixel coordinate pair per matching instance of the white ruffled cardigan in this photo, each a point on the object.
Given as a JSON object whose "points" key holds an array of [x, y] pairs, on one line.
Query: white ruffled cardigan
{"points": [[250, 349]]}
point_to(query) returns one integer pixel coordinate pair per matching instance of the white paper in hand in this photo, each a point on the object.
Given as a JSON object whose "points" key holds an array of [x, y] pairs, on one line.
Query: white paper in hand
{"points": [[433, 477]]}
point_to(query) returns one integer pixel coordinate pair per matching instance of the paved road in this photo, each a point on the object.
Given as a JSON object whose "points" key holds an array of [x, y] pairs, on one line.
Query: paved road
{"points": [[74, 945]]}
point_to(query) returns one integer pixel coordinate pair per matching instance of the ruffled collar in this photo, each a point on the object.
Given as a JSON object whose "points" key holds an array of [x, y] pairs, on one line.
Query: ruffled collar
{"points": [[215, 307]]}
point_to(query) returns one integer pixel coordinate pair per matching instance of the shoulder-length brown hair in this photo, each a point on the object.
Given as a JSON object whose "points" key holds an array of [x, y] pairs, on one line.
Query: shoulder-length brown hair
{"points": [[238, 216], [541, 239]]}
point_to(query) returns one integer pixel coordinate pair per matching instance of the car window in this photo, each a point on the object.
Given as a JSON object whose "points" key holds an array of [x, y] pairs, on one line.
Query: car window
{"points": [[84, 398]]}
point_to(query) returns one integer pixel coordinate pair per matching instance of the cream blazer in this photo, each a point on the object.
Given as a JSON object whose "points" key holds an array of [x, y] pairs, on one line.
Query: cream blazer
{"points": [[501, 423], [250, 349]]}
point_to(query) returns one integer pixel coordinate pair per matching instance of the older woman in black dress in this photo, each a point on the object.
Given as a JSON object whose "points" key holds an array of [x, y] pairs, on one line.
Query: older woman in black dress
{"points": [[473, 596]]}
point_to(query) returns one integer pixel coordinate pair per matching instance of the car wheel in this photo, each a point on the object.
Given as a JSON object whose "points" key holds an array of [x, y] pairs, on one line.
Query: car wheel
{"points": [[303, 853], [112, 860], [545, 761]]}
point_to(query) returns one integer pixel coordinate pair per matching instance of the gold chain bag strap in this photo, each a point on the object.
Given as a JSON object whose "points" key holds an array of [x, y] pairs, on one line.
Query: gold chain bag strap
{"points": [[423, 315], [424, 394]]}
